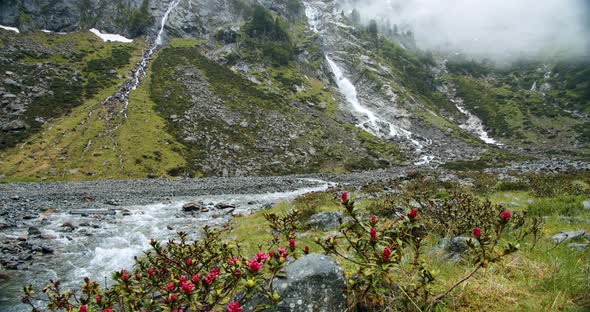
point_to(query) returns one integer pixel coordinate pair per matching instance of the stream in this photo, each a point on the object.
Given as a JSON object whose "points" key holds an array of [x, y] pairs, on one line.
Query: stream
{"points": [[95, 242]]}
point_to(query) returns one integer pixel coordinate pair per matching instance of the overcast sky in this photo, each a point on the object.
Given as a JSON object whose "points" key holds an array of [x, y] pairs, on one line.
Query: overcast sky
{"points": [[493, 28]]}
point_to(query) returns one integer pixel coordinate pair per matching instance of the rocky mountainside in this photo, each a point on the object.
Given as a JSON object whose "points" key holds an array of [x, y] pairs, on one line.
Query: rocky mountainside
{"points": [[242, 87]]}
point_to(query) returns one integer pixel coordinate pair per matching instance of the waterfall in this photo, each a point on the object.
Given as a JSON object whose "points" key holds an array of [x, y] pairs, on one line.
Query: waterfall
{"points": [[173, 5], [372, 123], [140, 70]]}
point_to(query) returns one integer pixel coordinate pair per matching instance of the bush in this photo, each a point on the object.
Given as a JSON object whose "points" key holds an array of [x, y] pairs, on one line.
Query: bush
{"points": [[389, 269]]}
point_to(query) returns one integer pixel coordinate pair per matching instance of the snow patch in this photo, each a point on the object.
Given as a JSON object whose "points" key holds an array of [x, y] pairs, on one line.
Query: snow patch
{"points": [[110, 37], [10, 28]]}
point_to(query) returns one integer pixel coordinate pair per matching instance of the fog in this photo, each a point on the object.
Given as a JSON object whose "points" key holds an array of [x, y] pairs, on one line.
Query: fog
{"points": [[496, 29]]}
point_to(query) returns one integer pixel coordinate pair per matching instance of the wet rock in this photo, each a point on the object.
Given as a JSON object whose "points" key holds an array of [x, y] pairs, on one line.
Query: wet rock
{"points": [[313, 283], [325, 220], [112, 203], [193, 207], [224, 206], [46, 250], [33, 231], [565, 236]]}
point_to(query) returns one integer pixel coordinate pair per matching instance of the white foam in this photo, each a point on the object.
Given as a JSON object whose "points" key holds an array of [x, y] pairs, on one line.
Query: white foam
{"points": [[164, 19], [10, 28], [110, 37]]}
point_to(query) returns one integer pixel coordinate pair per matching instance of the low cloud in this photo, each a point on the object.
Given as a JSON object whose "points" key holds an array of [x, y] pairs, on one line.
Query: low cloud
{"points": [[499, 29]]}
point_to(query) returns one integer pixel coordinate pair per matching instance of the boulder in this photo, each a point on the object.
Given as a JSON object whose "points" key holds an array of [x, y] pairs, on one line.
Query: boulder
{"points": [[224, 206], [188, 207], [312, 283], [565, 236], [325, 220], [577, 246], [33, 231], [455, 246], [586, 204]]}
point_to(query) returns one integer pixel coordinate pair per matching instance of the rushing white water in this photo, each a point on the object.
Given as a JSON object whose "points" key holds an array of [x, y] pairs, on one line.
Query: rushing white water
{"points": [[473, 124], [140, 70], [110, 37], [172, 6], [10, 28], [103, 243], [369, 120], [372, 123], [534, 86]]}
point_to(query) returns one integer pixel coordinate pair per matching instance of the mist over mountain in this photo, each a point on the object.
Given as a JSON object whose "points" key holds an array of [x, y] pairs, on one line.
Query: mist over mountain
{"points": [[502, 30]]}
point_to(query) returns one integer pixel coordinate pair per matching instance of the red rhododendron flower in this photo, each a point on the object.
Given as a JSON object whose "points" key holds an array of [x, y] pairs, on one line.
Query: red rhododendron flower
{"points": [[234, 260], [292, 244], [170, 286], [344, 197], [234, 307], [189, 261], [373, 235], [476, 232], [83, 308], [152, 241], [373, 219], [86, 279], [412, 214], [195, 278], [125, 276], [187, 287], [271, 254], [505, 215], [138, 276], [150, 272], [261, 257], [386, 254], [98, 299], [211, 276], [254, 265], [107, 310], [306, 250], [173, 296]]}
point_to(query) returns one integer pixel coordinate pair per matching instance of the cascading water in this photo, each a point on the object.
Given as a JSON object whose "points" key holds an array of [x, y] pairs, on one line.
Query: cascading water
{"points": [[140, 70], [99, 243], [375, 125], [370, 121], [473, 124]]}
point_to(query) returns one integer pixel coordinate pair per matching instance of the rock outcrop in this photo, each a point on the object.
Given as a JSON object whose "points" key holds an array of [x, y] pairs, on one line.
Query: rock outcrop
{"points": [[313, 283]]}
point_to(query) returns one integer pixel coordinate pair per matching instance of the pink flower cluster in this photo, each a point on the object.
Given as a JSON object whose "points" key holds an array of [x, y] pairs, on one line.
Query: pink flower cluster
{"points": [[208, 280]]}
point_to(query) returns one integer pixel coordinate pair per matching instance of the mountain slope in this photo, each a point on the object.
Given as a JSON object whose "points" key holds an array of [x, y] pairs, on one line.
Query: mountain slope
{"points": [[284, 87]]}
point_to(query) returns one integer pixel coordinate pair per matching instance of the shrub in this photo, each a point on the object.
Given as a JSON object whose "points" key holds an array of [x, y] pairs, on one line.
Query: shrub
{"points": [[389, 268], [390, 273], [176, 276]]}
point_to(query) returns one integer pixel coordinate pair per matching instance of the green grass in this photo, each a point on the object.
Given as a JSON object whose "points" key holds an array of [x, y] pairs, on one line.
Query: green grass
{"points": [[549, 277], [80, 145]]}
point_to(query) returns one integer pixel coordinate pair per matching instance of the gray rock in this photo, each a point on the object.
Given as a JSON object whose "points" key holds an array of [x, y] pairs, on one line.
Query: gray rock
{"points": [[455, 246], [224, 206], [325, 220], [313, 283], [33, 231], [586, 204], [194, 207], [565, 236], [14, 125], [578, 246]]}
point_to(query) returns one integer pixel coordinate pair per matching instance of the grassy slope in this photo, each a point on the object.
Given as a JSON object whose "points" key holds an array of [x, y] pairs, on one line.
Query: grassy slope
{"points": [[546, 278], [140, 147], [511, 111]]}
